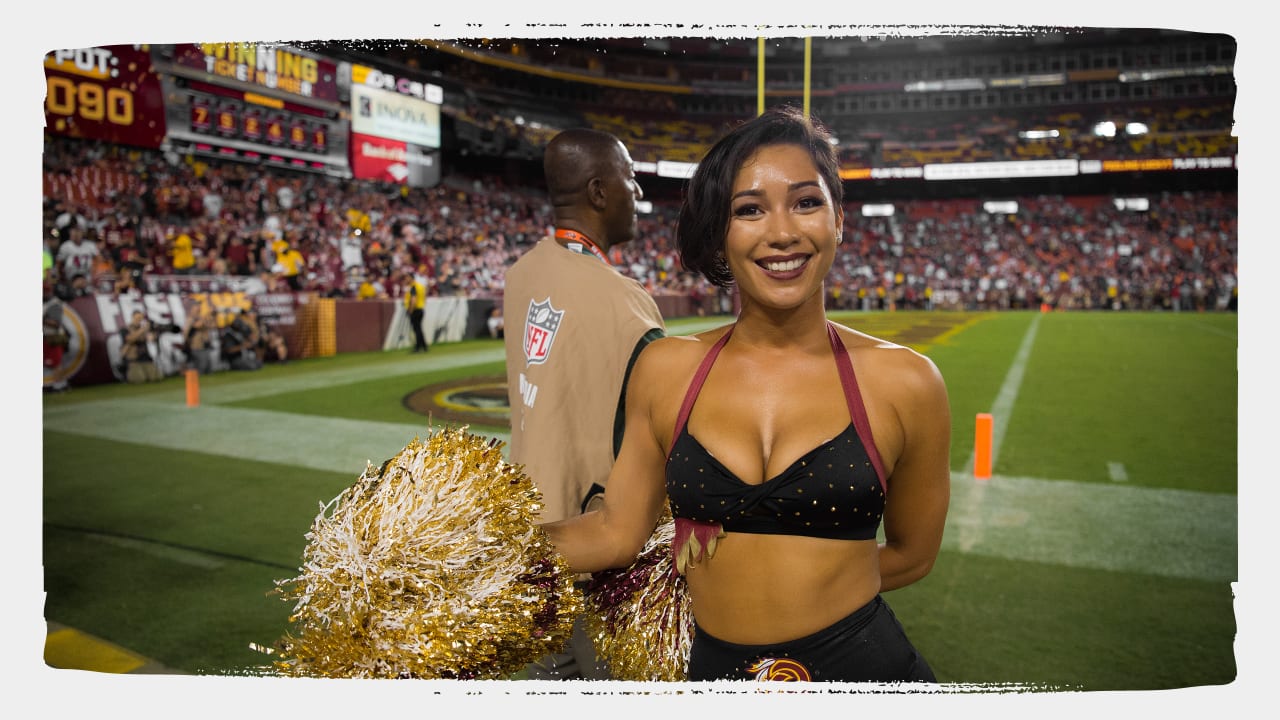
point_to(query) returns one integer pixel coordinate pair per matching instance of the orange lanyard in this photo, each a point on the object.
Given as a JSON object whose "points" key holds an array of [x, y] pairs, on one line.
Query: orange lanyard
{"points": [[578, 242]]}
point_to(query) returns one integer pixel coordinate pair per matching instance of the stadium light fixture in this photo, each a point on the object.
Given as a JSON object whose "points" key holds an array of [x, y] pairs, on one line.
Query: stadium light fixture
{"points": [[1105, 128], [1149, 75], [1136, 128], [945, 85], [1136, 204], [1001, 169], [1037, 134], [679, 170]]}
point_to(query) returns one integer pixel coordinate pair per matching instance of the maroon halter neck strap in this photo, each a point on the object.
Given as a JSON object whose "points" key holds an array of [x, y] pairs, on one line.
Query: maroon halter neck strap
{"points": [[853, 398]]}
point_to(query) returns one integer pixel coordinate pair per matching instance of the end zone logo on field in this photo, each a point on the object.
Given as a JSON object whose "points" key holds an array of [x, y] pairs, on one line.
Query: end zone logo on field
{"points": [[73, 358], [478, 401], [540, 330]]}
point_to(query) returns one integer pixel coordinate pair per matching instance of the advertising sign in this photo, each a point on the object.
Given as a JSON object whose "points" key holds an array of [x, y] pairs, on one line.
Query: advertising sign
{"points": [[390, 115], [394, 161]]}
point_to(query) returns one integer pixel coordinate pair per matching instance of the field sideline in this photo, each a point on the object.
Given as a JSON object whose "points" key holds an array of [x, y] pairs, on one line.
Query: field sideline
{"points": [[1121, 559], [1017, 518]]}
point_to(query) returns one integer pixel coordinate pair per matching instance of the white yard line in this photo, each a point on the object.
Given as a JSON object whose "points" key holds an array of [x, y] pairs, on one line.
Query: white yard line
{"points": [[1118, 527], [968, 503], [162, 551], [308, 441], [1086, 525], [249, 387], [1002, 409], [252, 387]]}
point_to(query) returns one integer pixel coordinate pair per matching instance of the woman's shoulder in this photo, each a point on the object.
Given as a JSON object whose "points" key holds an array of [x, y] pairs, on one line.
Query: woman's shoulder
{"points": [[858, 341], [673, 354], [694, 343], [880, 358]]}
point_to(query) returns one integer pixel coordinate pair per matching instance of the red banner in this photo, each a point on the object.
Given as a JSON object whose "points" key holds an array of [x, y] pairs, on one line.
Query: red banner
{"points": [[105, 93], [393, 161], [375, 158], [93, 325]]}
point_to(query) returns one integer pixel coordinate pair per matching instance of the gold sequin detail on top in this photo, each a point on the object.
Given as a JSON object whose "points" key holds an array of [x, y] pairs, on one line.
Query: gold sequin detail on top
{"points": [[806, 498]]}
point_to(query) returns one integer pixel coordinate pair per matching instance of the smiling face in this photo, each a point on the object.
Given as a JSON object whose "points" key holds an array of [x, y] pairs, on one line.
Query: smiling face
{"points": [[783, 228]]}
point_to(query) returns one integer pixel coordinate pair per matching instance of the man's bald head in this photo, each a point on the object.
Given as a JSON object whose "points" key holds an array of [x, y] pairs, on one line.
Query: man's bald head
{"points": [[591, 184], [575, 156]]}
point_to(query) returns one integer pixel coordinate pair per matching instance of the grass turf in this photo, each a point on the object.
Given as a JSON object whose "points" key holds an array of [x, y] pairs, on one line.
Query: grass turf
{"points": [[171, 553]]}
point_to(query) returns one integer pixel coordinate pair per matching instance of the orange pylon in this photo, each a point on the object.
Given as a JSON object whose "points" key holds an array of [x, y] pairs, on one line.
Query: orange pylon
{"points": [[982, 447], [193, 388]]}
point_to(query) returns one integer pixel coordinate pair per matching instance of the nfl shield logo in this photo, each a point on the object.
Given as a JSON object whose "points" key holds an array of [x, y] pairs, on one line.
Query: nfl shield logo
{"points": [[540, 330]]}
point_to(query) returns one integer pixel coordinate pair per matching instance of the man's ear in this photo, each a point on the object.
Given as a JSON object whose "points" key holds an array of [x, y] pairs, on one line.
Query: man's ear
{"points": [[597, 193]]}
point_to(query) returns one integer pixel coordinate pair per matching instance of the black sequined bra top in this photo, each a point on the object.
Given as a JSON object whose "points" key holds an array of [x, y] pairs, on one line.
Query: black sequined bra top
{"points": [[836, 490]]}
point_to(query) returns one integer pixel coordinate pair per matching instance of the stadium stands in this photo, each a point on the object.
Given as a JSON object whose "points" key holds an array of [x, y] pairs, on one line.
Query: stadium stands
{"points": [[1068, 245], [1067, 251]]}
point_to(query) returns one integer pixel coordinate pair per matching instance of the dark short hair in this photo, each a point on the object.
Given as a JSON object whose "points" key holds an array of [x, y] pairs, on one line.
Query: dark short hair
{"points": [[704, 211]]}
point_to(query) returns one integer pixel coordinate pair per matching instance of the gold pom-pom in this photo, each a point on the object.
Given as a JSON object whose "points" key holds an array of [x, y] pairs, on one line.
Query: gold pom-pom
{"points": [[429, 566], [640, 617]]}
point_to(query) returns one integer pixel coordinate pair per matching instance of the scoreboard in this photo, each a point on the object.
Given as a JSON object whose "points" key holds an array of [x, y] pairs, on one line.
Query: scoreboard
{"points": [[211, 116], [255, 102], [105, 93], [263, 103]]}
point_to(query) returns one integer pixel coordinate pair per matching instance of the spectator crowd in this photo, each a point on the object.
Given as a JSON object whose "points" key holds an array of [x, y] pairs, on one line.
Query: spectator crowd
{"points": [[129, 220]]}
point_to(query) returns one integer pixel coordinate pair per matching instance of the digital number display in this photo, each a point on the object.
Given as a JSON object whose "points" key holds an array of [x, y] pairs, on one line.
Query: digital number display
{"points": [[89, 101], [201, 116], [228, 119], [108, 93]]}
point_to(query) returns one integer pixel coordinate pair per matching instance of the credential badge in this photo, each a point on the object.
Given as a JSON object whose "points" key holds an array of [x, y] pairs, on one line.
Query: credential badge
{"points": [[540, 330]]}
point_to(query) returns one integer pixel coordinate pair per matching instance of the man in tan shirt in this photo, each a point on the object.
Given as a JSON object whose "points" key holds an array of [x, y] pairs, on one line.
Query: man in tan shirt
{"points": [[576, 327]]}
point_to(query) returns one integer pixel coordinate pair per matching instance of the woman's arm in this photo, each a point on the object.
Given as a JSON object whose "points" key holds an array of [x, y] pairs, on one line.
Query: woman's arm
{"points": [[919, 490], [614, 535]]}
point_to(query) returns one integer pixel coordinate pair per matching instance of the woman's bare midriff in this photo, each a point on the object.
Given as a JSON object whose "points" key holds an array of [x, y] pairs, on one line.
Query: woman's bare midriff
{"points": [[773, 588]]}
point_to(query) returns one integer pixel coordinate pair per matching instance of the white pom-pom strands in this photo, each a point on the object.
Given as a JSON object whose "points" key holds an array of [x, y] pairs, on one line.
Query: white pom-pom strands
{"points": [[429, 566]]}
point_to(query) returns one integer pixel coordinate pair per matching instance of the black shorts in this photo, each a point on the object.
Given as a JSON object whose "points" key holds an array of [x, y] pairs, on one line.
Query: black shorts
{"points": [[867, 646]]}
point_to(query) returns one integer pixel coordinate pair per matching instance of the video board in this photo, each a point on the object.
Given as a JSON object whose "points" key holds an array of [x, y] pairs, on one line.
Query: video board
{"points": [[255, 102], [395, 126], [109, 93]]}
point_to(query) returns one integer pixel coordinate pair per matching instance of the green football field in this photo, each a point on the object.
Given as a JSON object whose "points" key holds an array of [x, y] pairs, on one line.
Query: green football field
{"points": [[1099, 556]]}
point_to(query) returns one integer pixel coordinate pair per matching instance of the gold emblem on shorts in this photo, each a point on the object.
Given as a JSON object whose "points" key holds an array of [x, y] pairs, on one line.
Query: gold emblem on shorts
{"points": [[784, 669]]}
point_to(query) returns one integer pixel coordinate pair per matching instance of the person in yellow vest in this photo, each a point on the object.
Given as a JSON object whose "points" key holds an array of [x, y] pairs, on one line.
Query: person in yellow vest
{"points": [[183, 255], [289, 263], [366, 289], [415, 304]]}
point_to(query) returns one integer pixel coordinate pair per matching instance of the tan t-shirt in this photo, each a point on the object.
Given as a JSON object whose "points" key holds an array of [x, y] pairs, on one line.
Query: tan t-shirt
{"points": [[573, 323]]}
